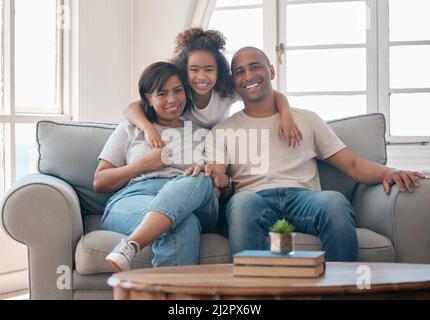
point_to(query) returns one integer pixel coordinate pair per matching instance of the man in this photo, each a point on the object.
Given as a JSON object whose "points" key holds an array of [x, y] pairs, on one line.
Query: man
{"points": [[288, 187]]}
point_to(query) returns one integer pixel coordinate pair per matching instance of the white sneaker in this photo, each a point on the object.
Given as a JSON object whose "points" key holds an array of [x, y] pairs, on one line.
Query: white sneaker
{"points": [[121, 256]]}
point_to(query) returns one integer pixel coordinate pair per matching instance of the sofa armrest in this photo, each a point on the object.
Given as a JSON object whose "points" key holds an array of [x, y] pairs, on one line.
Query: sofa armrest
{"points": [[43, 212], [402, 217]]}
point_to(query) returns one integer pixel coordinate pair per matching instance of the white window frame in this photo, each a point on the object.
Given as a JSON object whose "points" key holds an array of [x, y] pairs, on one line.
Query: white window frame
{"points": [[377, 55], [384, 45], [244, 7], [10, 117], [281, 48], [203, 13]]}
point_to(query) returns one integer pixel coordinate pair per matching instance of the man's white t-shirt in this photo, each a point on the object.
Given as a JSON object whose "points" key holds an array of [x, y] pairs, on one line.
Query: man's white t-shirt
{"points": [[259, 160]]}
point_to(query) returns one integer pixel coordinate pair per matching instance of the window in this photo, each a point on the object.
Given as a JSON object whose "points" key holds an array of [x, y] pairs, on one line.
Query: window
{"points": [[406, 94], [343, 57], [325, 56], [246, 31], [32, 79]]}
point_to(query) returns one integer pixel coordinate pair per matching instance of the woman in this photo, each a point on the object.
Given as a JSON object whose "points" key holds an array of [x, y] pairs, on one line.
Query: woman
{"points": [[156, 203]]}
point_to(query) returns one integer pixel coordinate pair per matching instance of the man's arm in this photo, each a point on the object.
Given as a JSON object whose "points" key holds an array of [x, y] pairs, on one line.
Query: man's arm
{"points": [[369, 172]]}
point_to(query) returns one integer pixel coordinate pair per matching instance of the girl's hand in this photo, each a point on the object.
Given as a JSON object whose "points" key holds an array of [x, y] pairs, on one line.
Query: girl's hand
{"points": [[153, 137], [288, 127]]}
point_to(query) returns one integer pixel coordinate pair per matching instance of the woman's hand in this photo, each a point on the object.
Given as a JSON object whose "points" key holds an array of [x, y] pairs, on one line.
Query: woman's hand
{"points": [[153, 137], [288, 127], [209, 172], [218, 180], [153, 160]]}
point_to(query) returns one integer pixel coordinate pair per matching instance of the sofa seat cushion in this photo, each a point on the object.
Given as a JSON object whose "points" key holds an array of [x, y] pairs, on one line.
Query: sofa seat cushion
{"points": [[372, 247], [93, 248]]}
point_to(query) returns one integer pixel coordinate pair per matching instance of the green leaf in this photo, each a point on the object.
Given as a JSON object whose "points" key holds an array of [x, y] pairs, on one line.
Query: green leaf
{"points": [[282, 226]]}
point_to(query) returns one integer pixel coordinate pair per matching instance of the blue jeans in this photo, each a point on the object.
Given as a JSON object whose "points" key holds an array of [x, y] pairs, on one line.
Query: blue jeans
{"points": [[326, 214], [190, 202]]}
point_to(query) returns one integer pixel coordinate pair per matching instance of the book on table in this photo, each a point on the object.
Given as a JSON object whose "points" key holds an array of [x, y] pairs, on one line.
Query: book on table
{"points": [[265, 257], [306, 264], [279, 271]]}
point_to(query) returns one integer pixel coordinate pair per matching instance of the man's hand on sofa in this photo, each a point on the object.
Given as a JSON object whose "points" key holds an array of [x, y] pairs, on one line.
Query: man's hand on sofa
{"points": [[405, 180]]}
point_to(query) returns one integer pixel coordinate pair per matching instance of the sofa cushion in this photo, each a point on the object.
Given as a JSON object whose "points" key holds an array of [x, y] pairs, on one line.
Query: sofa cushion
{"points": [[93, 248], [69, 151], [372, 247], [356, 132]]}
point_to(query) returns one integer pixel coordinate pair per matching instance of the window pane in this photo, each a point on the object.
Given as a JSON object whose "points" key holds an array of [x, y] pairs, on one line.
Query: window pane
{"points": [[410, 67], [2, 160], [331, 107], [250, 32], [409, 20], [26, 149], [236, 107], [326, 23], [232, 3], [409, 114], [35, 53], [326, 70]]}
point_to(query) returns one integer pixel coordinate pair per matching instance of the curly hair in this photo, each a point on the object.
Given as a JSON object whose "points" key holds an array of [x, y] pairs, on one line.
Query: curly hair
{"points": [[196, 39], [152, 79]]}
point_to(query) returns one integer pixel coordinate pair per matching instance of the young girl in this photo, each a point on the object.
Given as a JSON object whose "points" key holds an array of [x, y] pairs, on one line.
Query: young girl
{"points": [[198, 55], [156, 203]]}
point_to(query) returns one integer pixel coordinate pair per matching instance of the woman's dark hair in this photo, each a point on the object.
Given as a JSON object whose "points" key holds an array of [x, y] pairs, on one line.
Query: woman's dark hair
{"points": [[152, 80], [195, 39]]}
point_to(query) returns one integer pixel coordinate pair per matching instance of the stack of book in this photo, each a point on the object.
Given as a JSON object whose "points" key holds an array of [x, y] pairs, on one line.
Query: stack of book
{"points": [[262, 263]]}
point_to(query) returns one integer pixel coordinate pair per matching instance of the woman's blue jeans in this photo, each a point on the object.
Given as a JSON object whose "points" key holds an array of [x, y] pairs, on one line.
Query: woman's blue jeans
{"points": [[326, 214], [190, 202]]}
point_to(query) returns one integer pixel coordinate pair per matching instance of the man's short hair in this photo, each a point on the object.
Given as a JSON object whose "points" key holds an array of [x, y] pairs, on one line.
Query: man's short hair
{"points": [[252, 49]]}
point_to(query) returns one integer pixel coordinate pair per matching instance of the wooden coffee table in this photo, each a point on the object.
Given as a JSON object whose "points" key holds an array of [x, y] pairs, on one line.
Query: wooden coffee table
{"points": [[387, 281]]}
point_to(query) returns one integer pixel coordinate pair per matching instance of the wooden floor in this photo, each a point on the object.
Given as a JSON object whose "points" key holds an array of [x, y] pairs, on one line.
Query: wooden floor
{"points": [[17, 295]]}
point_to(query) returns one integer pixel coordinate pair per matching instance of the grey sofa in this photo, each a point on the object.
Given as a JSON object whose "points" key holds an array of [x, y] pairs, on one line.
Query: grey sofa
{"points": [[57, 214]]}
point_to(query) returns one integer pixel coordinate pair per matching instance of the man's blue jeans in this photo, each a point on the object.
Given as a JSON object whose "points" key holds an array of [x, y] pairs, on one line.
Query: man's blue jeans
{"points": [[190, 202], [326, 214]]}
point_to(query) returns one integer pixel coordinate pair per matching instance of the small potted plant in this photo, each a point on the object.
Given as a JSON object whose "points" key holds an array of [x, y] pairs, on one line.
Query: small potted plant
{"points": [[281, 237]]}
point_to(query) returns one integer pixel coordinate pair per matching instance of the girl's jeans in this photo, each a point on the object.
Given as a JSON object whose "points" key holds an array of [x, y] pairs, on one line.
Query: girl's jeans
{"points": [[190, 202]]}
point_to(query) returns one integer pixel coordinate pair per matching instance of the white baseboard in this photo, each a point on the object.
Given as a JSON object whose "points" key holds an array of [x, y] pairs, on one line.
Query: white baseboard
{"points": [[13, 281]]}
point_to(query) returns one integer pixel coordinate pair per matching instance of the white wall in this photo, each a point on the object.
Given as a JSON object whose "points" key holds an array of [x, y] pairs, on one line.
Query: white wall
{"points": [[156, 24], [104, 59], [116, 40]]}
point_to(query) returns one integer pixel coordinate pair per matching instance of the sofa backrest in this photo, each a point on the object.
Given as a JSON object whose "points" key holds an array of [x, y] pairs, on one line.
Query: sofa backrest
{"points": [[70, 150], [364, 135]]}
